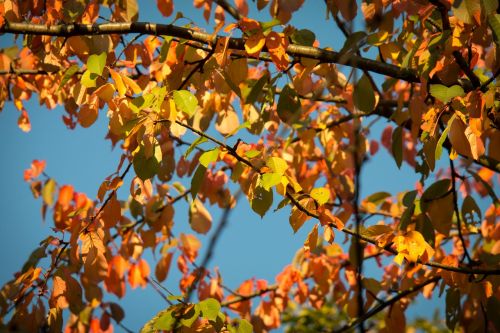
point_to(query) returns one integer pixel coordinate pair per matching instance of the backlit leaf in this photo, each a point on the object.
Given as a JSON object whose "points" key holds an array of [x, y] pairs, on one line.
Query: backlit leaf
{"points": [[199, 217], [261, 201], [209, 156], [96, 63], [444, 93], [48, 192], [68, 75], [185, 101], [210, 308], [321, 195], [277, 164]]}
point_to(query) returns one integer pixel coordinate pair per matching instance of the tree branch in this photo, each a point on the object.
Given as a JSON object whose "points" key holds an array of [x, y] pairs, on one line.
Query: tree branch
{"points": [[146, 28], [296, 203], [387, 303]]}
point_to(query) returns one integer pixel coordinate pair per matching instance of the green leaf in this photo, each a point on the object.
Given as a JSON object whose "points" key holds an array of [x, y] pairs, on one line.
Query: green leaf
{"points": [[253, 153], [378, 198], [254, 94], [444, 93], [288, 105], [145, 168], [321, 195], [303, 37], [209, 156], [68, 75], [397, 146], [270, 179], [48, 192], [237, 171], [88, 79], [197, 180], [210, 308], [261, 201], [96, 63], [363, 96], [244, 326], [189, 318], [452, 308], [185, 101], [444, 135], [195, 143], [165, 322], [277, 164], [269, 24], [142, 102]]}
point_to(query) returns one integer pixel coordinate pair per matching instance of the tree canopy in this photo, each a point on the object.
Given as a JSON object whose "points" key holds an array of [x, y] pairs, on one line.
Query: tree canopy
{"points": [[265, 112]]}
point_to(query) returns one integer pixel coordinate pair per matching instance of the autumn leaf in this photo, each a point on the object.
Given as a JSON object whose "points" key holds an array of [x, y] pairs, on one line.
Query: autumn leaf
{"points": [[36, 170], [199, 217], [412, 247], [166, 7]]}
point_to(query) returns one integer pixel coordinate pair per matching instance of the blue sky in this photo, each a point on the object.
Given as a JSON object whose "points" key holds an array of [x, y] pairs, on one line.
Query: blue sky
{"points": [[249, 247]]}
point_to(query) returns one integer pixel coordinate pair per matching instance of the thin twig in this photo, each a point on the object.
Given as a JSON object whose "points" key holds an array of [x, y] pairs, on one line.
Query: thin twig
{"points": [[387, 303]]}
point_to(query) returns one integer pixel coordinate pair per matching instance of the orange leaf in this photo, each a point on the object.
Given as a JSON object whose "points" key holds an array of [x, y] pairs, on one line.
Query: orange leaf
{"points": [[242, 7], [65, 195], [190, 246], [166, 7], [254, 44], [227, 122], [199, 217], [35, 170], [163, 266], [88, 115], [312, 239], [276, 44]]}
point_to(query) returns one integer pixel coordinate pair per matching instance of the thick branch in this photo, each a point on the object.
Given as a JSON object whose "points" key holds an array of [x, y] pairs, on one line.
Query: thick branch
{"points": [[146, 28]]}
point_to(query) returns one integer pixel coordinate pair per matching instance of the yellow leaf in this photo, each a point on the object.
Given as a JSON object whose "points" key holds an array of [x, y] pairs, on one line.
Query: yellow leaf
{"points": [[277, 164], [412, 246], [120, 86], [131, 84], [105, 92], [254, 44], [321, 195]]}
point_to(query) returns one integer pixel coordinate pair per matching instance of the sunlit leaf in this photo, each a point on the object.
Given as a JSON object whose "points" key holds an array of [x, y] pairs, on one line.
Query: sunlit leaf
{"points": [[185, 101], [444, 93]]}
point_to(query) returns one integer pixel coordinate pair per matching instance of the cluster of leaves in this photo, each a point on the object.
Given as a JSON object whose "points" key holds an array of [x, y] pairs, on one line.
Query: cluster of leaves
{"points": [[308, 139]]}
